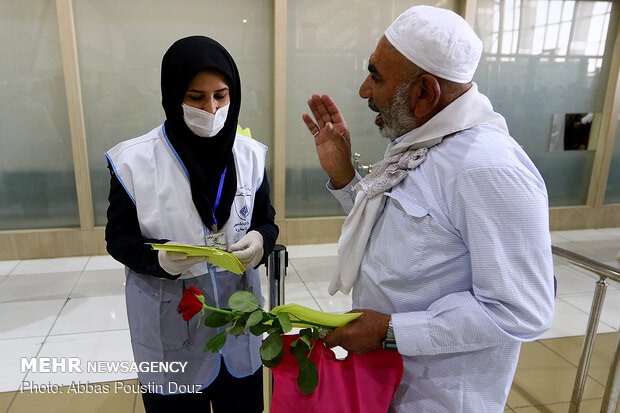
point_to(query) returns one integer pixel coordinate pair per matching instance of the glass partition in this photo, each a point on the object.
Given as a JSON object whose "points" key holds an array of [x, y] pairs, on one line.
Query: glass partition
{"points": [[545, 67], [612, 194], [329, 44], [37, 181], [120, 47]]}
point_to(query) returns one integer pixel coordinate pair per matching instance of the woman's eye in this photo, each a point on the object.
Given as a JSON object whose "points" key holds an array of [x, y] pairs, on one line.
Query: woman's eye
{"points": [[220, 96]]}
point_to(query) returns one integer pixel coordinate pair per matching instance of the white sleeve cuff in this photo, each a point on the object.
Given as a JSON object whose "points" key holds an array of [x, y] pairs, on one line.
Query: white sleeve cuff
{"points": [[345, 195], [412, 334]]}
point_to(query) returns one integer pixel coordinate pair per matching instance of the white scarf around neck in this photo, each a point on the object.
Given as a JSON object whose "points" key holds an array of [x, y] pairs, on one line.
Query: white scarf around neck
{"points": [[469, 110]]}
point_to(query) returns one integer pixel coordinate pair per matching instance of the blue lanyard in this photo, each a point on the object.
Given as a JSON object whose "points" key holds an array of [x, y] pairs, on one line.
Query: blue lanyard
{"points": [[217, 200]]}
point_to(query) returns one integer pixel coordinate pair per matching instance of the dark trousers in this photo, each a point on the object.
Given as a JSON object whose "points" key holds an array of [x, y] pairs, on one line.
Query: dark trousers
{"points": [[227, 394]]}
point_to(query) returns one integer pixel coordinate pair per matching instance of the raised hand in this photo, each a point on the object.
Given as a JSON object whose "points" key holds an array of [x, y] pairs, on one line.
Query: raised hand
{"points": [[332, 139]]}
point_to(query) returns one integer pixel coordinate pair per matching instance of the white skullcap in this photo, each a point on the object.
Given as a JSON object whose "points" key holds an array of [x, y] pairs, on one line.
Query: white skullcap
{"points": [[438, 40]]}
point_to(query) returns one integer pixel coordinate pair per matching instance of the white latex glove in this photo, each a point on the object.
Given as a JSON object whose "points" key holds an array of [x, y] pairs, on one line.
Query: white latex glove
{"points": [[176, 262], [249, 249]]}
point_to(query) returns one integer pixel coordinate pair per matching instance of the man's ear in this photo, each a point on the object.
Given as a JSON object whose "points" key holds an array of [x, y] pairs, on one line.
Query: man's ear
{"points": [[427, 96]]}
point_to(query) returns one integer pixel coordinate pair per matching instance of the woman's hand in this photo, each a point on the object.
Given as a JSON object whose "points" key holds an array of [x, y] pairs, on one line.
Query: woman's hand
{"points": [[249, 249], [174, 263]]}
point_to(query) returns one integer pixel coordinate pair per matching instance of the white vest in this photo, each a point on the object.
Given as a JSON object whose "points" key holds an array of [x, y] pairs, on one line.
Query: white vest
{"points": [[153, 175]]}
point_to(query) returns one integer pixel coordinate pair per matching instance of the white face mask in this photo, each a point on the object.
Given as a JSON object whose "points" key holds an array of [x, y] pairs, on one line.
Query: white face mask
{"points": [[202, 123]]}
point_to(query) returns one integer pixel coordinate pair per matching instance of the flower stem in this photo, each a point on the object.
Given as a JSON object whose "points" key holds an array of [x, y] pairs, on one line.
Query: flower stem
{"points": [[217, 310]]}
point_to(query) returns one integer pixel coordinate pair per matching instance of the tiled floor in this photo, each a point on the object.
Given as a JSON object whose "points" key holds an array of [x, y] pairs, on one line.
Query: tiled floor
{"points": [[74, 307]]}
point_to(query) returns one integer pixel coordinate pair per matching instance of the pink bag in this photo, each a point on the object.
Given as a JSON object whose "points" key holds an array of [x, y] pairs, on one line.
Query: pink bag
{"points": [[358, 384]]}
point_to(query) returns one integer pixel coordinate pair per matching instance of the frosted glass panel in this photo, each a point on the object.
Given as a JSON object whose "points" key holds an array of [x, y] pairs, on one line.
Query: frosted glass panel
{"points": [[329, 44], [37, 183], [545, 67], [120, 47], [612, 194]]}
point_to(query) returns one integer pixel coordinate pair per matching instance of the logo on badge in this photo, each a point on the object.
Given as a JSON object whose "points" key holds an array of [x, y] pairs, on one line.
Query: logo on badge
{"points": [[243, 212], [241, 202]]}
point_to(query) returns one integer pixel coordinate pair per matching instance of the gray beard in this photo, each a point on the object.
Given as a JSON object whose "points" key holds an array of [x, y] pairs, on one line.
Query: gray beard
{"points": [[397, 116]]}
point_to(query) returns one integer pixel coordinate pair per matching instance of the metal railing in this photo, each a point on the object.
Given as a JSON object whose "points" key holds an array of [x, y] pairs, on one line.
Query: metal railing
{"points": [[612, 387], [277, 263], [357, 164]]}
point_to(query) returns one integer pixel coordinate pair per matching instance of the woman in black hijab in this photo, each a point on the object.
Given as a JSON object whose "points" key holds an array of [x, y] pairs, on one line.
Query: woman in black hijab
{"points": [[193, 180], [205, 159]]}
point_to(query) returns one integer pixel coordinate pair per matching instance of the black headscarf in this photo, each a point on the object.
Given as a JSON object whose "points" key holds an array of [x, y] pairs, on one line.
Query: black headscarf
{"points": [[204, 158]]}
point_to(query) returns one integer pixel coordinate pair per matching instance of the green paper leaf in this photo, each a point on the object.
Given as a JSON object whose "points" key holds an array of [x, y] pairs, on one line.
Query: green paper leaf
{"points": [[215, 256], [299, 348], [216, 343], [271, 347], [308, 376], [243, 301], [216, 319], [285, 322], [300, 314], [254, 318]]}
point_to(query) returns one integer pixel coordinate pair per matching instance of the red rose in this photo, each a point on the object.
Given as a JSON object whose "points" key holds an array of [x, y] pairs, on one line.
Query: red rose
{"points": [[190, 305]]}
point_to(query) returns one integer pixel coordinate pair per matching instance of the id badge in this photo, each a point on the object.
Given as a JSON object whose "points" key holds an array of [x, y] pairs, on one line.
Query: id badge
{"points": [[217, 240]]}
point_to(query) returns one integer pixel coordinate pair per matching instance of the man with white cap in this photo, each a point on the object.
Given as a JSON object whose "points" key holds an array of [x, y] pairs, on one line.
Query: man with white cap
{"points": [[446, 246]]}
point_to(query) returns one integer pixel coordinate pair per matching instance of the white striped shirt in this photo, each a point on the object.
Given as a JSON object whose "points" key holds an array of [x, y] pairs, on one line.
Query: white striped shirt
{"points": [[461, 258]]}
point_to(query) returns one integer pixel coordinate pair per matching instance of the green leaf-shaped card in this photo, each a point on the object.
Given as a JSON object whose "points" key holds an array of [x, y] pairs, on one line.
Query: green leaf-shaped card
{"points": [[299, 312], [215, 256]]}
